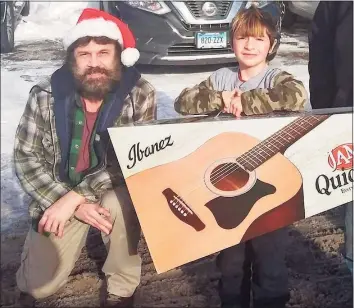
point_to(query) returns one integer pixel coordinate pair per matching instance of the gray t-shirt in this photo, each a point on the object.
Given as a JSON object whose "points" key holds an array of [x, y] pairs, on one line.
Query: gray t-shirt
{"points": [[226, 79]]}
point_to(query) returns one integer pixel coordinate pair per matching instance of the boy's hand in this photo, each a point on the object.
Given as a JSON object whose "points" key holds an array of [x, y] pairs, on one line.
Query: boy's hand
{"points": [[227, 97], [235, 106], [96, 216]]}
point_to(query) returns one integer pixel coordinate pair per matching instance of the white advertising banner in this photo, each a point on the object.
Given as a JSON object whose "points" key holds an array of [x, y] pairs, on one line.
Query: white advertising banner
{"points": [[200, 186]]}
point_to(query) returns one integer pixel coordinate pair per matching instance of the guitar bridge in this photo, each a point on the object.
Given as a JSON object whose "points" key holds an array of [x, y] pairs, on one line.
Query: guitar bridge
{"points": [[181, 210]]}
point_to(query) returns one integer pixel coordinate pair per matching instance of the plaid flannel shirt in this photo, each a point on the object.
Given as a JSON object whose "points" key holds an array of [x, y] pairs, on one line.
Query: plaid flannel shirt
{"points": [[37, 151]]}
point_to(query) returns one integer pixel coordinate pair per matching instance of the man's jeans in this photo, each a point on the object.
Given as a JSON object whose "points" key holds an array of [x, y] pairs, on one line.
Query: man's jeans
{"points": [[348, 235]]}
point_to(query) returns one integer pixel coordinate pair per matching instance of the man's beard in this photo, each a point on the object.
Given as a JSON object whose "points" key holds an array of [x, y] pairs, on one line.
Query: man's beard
{"points": [[96, 88]]}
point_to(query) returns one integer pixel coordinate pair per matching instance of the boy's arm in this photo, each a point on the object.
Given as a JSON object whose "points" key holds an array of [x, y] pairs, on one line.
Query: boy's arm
{"points": [[287, 94], [201, 99], [147, 108], [144, 101]]}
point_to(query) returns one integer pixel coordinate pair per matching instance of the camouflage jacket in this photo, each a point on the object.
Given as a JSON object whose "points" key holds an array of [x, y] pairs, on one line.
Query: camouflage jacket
{"points": [[37, 152], [287, 94]]}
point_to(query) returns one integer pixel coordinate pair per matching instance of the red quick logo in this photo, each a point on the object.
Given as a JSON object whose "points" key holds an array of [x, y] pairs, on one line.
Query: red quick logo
{"points": [[341, 158]]}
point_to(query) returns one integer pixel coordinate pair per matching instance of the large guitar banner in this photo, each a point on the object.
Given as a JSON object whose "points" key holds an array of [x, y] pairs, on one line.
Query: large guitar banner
{"points": [[201, 185]]}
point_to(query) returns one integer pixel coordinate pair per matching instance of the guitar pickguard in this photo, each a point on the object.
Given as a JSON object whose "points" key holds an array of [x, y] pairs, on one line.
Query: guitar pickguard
{"points": [[229, 212]]}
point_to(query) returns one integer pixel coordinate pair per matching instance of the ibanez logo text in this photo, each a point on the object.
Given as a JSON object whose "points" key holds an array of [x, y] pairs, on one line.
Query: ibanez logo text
{"points": [[136, 153]]}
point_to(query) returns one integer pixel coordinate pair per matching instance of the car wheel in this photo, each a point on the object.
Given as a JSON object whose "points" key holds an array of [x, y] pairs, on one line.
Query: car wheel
{"points": [[7, 29], [26, 9], [289, 17]]}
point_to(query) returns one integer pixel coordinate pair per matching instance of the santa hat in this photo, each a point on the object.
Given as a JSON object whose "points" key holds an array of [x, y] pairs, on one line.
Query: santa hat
{"points": [[93, 22]]}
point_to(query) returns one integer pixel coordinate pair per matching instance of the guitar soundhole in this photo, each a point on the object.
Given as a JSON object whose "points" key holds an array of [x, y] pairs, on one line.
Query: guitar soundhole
{"points": [[229, 177]]}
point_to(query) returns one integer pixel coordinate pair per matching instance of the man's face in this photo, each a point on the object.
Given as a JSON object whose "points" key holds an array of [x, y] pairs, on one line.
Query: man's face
{"points": [[251, 51], [96, 69]]}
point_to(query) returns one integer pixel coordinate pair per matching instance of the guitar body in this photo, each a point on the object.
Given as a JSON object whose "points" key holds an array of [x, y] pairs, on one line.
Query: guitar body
{"points": [[206, 195]]}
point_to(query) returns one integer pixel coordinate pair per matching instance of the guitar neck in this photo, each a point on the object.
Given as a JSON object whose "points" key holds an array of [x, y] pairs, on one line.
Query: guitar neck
{"points": [[279, 141]]}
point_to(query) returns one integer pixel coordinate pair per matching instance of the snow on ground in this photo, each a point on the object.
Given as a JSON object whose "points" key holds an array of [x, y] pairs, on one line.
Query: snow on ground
{"points": [[49, 21]]}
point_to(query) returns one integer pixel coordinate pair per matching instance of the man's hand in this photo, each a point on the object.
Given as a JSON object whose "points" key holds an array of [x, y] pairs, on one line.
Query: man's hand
{"points": [[235, 106], [96, 216], [56, 216]]}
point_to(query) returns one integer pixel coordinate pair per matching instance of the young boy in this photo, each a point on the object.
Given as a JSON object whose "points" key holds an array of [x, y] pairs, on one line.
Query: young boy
{"points": [[250, 88]]}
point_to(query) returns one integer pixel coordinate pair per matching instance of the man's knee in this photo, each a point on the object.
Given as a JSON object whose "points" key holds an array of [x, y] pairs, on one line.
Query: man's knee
{"points": [[119, 203], [126, 226], [42, 293], [29, 286], [46, 262], [117, 198], [39, 284], [110, 202]]}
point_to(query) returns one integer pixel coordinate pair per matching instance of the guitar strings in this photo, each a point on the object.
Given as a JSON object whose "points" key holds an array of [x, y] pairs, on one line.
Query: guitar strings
{"points": [[317, 119], [264, 142]]}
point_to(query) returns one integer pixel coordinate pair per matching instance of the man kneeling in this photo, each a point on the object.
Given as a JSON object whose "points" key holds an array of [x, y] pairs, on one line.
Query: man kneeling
{"points": [[65, 161]]}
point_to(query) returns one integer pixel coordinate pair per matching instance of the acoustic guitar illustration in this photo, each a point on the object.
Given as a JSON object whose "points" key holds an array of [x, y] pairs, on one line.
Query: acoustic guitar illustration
{"points": [[234, 176]]}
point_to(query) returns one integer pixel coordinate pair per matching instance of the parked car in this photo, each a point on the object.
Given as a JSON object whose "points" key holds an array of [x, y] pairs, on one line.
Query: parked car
{"points": [[183, 32], [293, 9], [10, 14]]}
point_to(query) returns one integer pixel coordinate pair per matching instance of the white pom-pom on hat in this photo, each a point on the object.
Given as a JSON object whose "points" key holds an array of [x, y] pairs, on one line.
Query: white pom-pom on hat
{"points": [[95, 23], [130, 56]]}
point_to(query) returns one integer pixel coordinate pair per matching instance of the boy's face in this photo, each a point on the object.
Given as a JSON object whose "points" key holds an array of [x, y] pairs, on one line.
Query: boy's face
{"points": [[251, 51]]}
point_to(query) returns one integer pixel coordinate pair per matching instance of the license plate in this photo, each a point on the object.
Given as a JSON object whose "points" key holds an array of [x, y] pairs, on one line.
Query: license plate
{"points": [[211, 40]]}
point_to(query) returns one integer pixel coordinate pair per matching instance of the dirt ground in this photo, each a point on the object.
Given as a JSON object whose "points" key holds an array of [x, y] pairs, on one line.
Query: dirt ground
{"points": [[318, 275]]}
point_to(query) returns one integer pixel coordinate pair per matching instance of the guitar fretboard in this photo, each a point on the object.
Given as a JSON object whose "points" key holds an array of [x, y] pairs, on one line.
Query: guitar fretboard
{"points": [[279, 141]]}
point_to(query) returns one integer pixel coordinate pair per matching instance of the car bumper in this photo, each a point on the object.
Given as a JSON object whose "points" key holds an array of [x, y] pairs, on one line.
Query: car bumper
{"points": [[167, 40]]}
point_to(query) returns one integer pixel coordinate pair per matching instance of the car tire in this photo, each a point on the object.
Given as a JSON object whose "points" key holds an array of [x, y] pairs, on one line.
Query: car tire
{"points": [[26, 9], [101, 6], [7, 30], [289, 17]]}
